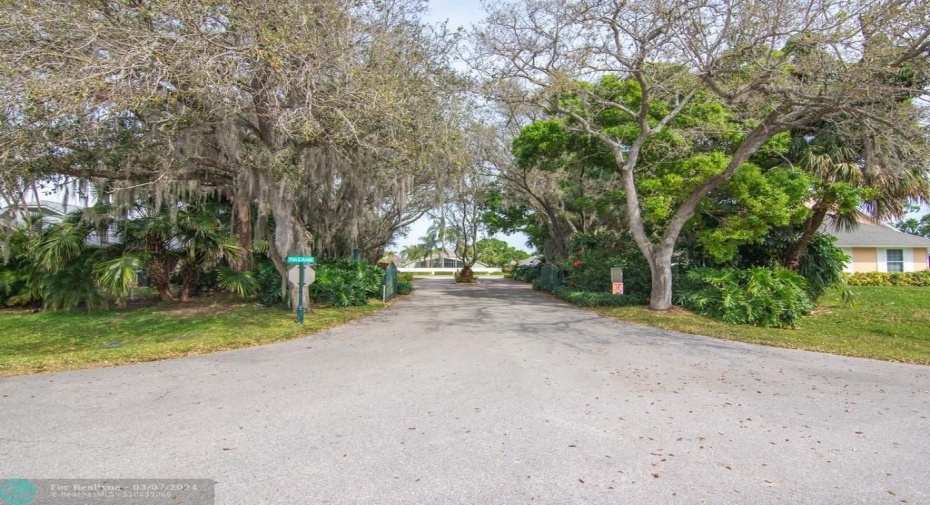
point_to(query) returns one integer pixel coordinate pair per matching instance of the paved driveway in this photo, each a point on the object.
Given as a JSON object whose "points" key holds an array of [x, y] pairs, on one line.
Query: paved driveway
{"points": [[487, 394]]}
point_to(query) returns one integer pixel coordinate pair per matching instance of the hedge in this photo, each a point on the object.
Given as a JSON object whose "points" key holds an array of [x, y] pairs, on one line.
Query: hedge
{"points": [[920, 278], [596, 299]]}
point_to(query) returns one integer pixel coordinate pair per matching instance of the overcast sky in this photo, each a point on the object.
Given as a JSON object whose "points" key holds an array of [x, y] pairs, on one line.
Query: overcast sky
{"points": [[458, 13]]}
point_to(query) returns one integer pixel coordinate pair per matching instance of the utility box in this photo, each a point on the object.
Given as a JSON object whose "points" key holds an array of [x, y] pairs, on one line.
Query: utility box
{"points": [[616, 280]]}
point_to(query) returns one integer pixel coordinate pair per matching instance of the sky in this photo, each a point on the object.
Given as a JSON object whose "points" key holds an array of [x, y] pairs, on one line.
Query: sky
{"points": [[458, 13]]}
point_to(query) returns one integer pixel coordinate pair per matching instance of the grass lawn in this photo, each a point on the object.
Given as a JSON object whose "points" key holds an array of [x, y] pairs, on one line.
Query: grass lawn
{"points": [[53, 341], [886, 323]]}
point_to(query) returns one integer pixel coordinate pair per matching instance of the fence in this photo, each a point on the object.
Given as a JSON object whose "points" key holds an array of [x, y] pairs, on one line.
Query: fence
{"points": [[550, 277]]}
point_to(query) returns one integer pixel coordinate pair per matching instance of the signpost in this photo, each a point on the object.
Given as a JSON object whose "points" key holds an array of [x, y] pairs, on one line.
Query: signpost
{"points": [[301, 262], [616, 279]]}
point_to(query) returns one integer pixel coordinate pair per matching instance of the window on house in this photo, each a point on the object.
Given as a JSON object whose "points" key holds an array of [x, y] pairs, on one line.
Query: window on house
{"points": [[895, 260]]}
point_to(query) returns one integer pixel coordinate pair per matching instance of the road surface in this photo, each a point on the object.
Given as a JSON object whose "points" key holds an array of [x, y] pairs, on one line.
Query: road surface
{"points": [[488, 394]]}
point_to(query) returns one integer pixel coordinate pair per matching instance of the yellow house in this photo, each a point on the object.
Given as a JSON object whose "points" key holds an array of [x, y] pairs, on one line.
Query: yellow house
{"points": [[881, 248]]}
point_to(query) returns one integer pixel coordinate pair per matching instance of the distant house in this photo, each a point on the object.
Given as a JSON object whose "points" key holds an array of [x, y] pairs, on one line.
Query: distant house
{"points": [[880, 248], [444, 262], [49, 212], [441, 259]]}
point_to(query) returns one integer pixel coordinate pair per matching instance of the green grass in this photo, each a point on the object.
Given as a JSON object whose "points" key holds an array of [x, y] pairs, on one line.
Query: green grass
{"points": [[54, 341], [886, 323]]}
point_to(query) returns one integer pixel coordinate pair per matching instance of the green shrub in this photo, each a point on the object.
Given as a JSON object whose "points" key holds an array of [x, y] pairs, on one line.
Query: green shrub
{"points": [[759, 296], [594, 254], [344, 283], [405, 276], [404, 287], [596, 299], [920, 278], [269, 282], [526, 273], [537, 284], [466, 276], [822, 265]]}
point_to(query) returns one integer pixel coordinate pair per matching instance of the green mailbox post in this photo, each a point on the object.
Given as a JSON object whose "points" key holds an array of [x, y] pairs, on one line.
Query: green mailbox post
{"points": [[301, 262]]}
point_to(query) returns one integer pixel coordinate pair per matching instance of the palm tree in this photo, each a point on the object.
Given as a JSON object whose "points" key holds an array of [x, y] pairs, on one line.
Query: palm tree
{"points": [[63, 265], [847, 181], [414, 252], [431, 240], [149, 235], [204, 240]]}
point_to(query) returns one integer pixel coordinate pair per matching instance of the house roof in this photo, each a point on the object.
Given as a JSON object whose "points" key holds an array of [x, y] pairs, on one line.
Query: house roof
{"points": [[872, 235], [440, 255], [46, 207]]}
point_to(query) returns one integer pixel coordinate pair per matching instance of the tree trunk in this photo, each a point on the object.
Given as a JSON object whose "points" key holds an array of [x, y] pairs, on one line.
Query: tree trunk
{"points": [[660, 266], [242, 207], [290, 234], [560, 237], [160, 278], [813, 223], [189, 278]]}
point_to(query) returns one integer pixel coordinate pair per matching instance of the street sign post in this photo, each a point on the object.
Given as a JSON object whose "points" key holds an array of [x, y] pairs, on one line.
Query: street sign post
{"points": [[301, 262]]}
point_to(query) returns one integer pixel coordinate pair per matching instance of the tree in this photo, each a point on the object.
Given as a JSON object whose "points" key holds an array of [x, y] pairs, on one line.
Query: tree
{"points": [[432, 240], [845, 183], [915, 226], [566, 178], [775, 66], [414, 252], [496, 252], [322, 123]]}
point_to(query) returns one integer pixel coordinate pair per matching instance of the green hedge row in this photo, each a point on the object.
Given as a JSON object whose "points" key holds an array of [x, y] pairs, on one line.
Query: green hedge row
{"points": [[596, 299], [921, 278]]}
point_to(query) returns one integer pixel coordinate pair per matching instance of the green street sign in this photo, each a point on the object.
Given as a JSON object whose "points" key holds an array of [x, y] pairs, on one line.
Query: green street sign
{"points": [[301, 259]]}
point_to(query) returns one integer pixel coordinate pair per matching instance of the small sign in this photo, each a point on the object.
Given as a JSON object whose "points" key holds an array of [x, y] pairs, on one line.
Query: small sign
{"points": [[301, 259], [618, 288]]}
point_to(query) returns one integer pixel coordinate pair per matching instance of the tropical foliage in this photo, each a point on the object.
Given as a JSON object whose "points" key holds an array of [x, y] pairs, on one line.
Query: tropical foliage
{"points": [[96, 257], [759, 296], [345, 283]]}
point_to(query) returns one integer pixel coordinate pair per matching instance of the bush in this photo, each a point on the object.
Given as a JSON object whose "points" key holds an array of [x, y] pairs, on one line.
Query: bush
{"points": [[920, 278], [405, 276], [526, 273], [822, 265], [344, 283], [759, 296], [404, 287], [588, 268], [596, 299], [466, 276], [269, 282]]}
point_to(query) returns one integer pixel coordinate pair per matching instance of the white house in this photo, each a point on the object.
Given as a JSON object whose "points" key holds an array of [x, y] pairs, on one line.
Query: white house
{"points": [[444, 262]]}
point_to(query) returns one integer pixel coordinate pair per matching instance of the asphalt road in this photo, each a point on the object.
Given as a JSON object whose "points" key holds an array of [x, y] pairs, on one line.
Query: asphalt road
{"points": [[488, 394]]}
